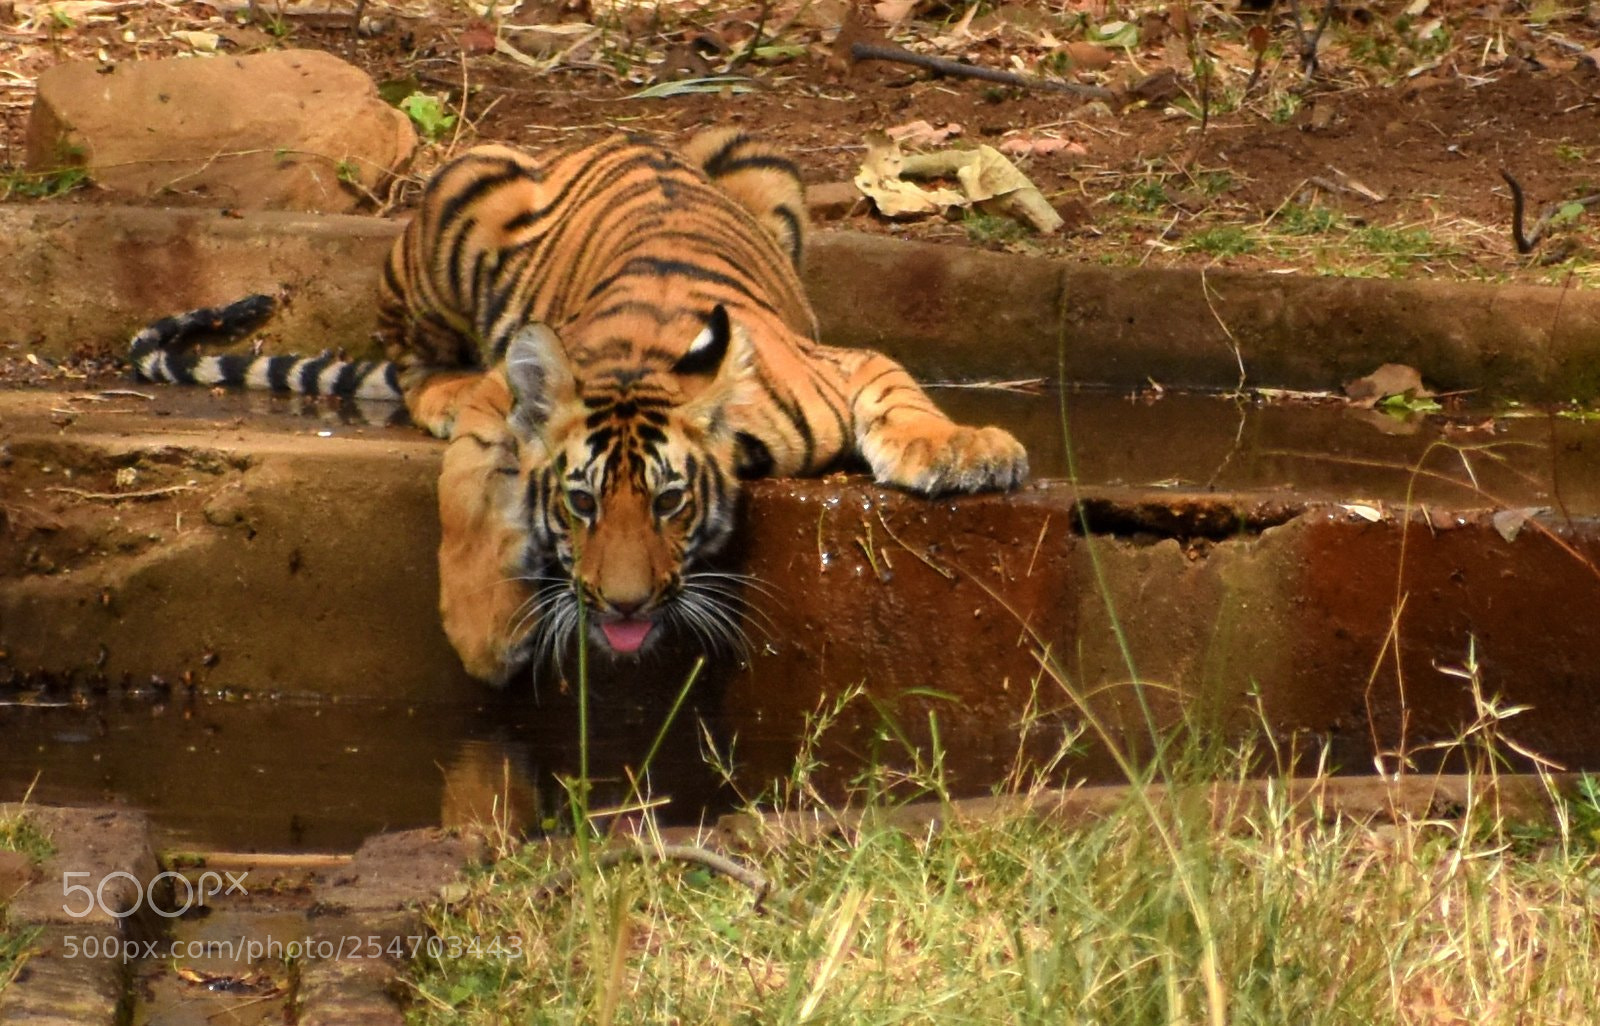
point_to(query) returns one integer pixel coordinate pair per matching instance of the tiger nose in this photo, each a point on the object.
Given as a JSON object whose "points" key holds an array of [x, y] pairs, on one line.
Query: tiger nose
{"points": [[627, 606]]}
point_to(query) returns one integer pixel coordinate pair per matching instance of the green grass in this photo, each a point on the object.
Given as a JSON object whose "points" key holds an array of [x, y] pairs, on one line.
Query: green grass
{"points": [[18, 833], [1221, 240], [1247, 904]]}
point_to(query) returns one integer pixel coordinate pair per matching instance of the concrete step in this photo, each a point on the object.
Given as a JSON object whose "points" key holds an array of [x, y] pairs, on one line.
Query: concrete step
{"points": [[1293, 565], [77, 276]]}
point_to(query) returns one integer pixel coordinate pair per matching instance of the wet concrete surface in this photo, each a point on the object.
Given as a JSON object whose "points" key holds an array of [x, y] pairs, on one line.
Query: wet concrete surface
{"points": [[268, 671]]}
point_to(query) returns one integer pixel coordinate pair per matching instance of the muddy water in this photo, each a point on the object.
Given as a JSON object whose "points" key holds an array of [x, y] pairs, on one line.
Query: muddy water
{"points": [[945, 663], [296, 774]]}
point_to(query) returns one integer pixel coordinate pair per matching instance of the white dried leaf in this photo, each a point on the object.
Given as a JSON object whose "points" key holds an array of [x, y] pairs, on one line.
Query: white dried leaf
{"points": [[201, 42]]}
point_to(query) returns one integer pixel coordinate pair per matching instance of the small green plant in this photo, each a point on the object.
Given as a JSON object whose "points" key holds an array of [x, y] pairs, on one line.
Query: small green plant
{"points": [[1222, 240], [428, 113], [1399, 245], [1583, 811], [1295, 219], [1406, 404], [1566, 214], [992, 228], [19, 833], [348, 172], [21, 184], [1285, 105], [1147, 195], [1571, 152]]}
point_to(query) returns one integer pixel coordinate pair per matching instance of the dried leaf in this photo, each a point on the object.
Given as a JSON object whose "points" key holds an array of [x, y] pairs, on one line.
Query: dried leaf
{"points": [[1509, 522], [918, 134], [1088, 56], [879, 178], [986, 174], [1389, 379], [1178, 18], [476, 39], [1023, 146], [893, 11], [202, 42]]}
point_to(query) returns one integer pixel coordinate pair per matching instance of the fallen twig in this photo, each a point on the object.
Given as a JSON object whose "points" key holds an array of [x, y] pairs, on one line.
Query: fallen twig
{"points": [[1309, 40], [560, 881], [749, 51], [149, 493], [942, 66], [1342, 182]]}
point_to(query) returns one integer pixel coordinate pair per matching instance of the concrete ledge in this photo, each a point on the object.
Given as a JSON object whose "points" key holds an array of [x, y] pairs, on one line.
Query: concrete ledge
{"points": [[291, 562], [73, 275], [75, 977]]}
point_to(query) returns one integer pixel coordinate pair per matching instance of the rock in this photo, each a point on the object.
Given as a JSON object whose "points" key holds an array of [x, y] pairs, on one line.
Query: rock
{"points": [[831, 201], [283, 130]]}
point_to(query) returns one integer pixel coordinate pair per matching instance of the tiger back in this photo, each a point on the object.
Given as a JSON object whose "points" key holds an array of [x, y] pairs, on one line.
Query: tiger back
{"points": [[611, 338]]}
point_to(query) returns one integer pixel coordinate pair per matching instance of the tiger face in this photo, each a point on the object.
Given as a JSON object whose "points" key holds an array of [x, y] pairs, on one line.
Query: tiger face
{"points": [[629, 491]]}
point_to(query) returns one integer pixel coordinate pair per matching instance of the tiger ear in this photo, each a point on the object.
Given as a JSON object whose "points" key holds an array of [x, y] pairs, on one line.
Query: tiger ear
{"points": [[540, 377], [724, 353], [709, 349]]}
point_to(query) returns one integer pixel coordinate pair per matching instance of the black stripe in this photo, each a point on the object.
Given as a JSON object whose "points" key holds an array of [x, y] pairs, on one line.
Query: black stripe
{"points": [[278, 368], [728, 163], [344, 381], [796, 233], [660, 267], [310, 372], [753, 458], [180, 366], [232, 368], [481, 182]]}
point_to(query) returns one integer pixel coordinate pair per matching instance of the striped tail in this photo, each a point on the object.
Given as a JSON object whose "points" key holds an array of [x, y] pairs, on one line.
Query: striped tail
{"points": [[163, 352]]}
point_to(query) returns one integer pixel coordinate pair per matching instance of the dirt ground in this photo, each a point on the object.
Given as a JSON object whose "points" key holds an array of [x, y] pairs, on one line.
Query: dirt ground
{"points": [[1386, 160]]}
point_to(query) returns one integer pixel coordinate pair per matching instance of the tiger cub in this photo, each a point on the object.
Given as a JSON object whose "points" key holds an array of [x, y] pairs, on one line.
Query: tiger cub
{"points": [[610, 338]]}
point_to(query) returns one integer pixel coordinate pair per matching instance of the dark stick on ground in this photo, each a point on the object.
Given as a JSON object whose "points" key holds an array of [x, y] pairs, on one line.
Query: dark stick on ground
{"points": [[1310, 40], [355, 24], [955, 69], [755, 40]]}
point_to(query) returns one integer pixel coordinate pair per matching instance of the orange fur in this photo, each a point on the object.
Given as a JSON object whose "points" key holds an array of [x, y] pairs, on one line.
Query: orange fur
{"points": [[647, 342]]}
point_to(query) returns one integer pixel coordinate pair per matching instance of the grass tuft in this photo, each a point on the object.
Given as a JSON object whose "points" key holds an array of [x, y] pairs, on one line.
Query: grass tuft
{"points": [[18, 833], [1256, 900]]}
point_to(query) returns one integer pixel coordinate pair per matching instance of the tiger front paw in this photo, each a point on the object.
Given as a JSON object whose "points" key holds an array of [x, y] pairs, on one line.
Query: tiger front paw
{"points": [[479, 634], [964, 459]]}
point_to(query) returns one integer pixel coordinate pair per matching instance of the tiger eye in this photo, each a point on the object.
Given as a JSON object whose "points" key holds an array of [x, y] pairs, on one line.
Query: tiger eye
{"points": [[580, 502], [669, 501]]}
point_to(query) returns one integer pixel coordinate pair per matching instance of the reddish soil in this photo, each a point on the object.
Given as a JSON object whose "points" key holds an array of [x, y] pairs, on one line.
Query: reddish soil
{"points": [[1387, 161]]}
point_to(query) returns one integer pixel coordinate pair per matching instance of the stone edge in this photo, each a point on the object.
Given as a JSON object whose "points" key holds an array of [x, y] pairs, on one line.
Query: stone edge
{"points": [[77, 274]]}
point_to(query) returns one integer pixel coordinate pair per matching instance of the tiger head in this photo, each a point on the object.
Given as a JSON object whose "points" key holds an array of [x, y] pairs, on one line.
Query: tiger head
{"points": [[632, 483]]}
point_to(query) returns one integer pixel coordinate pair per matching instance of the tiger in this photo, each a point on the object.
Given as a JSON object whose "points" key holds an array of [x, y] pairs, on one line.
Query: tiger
{"points": [[610, 339]]}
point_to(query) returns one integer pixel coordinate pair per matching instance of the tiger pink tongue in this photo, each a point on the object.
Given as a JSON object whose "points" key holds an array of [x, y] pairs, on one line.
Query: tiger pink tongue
{"points": [[626, 635]]}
